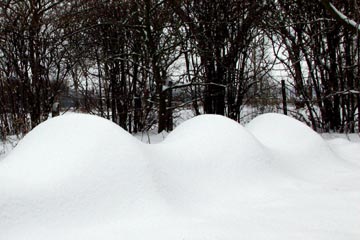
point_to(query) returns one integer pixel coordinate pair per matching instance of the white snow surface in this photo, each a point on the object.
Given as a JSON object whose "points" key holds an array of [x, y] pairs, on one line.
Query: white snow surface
{"points": [[299, 150], [82, 177]]}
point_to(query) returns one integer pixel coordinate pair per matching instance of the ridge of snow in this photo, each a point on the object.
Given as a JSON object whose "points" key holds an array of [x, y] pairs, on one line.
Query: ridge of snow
{"points": [[83, 177]]}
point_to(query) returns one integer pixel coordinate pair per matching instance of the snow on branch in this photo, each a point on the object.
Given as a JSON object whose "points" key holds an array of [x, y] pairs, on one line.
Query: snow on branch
{"points": [[340, 16]]}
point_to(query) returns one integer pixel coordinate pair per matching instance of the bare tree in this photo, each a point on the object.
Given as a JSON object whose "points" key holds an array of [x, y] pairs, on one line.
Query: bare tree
{"points": [[33, 49]]}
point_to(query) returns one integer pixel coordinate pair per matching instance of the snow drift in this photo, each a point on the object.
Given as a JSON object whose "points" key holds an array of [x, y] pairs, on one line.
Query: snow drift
{"points": [[298, 149], [282, 133], [82, 177], [77, 168], [210, 162]]}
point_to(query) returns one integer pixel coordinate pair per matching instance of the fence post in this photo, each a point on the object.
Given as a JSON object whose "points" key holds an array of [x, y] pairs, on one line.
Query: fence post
{"points": [[283, 91]]}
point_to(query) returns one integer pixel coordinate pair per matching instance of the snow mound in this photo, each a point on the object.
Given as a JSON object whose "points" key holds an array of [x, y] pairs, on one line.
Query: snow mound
{"points": [[216, 142], [74, 167], [70, 145], [298, 149], [286, 134], [83, 177], [218, 154], [218, 138]]}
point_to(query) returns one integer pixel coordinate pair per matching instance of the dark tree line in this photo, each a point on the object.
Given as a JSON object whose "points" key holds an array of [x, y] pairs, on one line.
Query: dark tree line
{"points": [[322, 56], [120, 59], [32, 66]]}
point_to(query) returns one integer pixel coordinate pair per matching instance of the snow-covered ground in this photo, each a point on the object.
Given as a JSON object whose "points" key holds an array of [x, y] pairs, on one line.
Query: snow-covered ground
{"points": [[82, 177]]}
